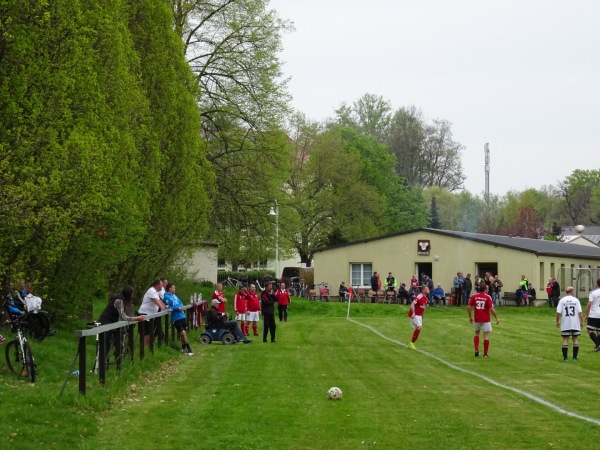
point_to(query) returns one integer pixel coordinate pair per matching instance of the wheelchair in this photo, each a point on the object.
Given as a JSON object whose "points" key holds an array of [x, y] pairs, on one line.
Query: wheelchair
{"points": [[210, 334]]}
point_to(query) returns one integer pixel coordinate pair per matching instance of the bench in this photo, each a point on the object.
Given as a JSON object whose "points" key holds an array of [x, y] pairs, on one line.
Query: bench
{"points": [[510, 299]]}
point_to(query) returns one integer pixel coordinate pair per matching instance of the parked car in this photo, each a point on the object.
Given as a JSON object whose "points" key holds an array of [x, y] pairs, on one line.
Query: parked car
{"points": [[290, 275]]}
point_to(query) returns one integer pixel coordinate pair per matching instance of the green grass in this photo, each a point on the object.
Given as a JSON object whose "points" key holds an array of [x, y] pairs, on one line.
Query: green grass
{"points": [[274, 395]]}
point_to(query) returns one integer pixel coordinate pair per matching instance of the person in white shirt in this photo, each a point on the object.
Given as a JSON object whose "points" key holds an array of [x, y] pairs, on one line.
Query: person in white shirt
{"points": [[151, 303], [569, 318], [592, 316]]}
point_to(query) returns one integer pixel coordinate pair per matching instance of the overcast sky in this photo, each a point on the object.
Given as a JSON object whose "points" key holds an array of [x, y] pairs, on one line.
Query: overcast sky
{"points": [[523, 75]]}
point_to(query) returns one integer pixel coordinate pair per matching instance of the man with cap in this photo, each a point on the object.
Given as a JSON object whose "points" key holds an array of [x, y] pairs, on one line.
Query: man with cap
{"points": [[216, 319]]}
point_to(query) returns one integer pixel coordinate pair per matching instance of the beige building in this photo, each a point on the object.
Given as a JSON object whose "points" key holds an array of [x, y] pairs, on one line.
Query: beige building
{"points": [[440, 254]]}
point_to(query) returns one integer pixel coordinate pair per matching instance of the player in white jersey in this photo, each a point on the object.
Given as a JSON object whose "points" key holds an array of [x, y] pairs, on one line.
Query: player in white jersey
{"points": [[569, 318], [592, 316]]}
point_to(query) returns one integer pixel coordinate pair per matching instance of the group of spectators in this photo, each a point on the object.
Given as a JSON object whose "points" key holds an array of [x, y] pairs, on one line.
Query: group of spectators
{"points": [[248, 308], [159, 297], [463, 287]]}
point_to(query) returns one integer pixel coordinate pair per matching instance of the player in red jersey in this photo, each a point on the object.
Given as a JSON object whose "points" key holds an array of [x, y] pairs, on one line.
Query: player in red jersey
{"points": [[253, 310], [218, 295], [416, 311], [483, 305], [240, 307]]}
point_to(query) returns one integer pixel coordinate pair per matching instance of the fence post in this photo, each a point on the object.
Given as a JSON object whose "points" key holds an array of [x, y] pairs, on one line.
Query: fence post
{"points": [[82, 368]]}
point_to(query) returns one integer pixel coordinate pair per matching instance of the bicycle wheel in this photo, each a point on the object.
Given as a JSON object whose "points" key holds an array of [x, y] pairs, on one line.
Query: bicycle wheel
{"points": [[13, 355], [29, 365]]}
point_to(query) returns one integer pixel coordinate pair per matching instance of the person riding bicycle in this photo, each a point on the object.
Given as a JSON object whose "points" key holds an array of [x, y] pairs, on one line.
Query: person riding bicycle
{"points": [[216, 319]]}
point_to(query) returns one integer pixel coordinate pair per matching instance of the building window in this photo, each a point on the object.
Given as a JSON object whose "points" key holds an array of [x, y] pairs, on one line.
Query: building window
{"points": [[360, 274]]}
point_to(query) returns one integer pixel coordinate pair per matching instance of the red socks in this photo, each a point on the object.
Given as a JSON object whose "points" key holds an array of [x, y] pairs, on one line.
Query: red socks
{"points": [[415, 335], [476, 342], [254, 328], [486, 346]]}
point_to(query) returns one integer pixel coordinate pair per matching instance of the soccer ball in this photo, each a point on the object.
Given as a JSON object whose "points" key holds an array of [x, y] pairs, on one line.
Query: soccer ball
{"points": [[334, 393]]}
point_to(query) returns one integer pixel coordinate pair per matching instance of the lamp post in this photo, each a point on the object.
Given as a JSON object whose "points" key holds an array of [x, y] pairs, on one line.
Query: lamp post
{"points": [[275, 212]]}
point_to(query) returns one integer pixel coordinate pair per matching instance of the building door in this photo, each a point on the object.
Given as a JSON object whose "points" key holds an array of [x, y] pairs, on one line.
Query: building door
{"points": [[424, 268]]}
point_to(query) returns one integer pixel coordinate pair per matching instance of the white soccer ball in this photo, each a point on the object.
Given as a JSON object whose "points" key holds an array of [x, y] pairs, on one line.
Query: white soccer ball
{"points": [[579, 228], [334, 393]]}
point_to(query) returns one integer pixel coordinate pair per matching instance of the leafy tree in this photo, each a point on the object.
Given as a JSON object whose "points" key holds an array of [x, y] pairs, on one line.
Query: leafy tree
{"points": [[104, 176], [435, 219], [580, 191], [370, 114], [441, 158], [72, 109], [232, 47], [174, 167], [427, 154]]}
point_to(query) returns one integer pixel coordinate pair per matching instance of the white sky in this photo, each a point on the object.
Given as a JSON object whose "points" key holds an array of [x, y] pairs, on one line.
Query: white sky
{"points": [[523, 75]]}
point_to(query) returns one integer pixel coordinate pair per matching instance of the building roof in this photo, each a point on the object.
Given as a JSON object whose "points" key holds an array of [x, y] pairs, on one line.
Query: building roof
{"points": [[537, 246], [591, 233]]}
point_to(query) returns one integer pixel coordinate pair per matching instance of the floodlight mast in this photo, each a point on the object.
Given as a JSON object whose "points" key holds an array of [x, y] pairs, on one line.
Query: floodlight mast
{"points": [[486, 148]]}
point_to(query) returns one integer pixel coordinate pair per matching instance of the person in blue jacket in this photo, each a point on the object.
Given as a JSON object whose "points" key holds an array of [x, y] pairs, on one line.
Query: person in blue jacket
{"points": [[178, 317]]}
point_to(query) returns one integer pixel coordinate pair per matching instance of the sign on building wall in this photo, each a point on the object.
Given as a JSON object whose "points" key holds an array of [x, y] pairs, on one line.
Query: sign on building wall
{"points": [[423, 247]]}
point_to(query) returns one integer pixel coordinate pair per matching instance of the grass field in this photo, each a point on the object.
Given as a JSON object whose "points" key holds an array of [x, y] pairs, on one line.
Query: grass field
{"points": [[274, 395]]}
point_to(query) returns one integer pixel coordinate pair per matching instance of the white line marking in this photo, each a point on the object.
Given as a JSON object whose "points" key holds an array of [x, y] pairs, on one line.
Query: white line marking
{"points": [[530, 396]]}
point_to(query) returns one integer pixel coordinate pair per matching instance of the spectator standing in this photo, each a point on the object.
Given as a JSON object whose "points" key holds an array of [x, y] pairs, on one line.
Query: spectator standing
{"points": [[283, 301], [592, 316], [523, 287], [415, 313], [390, 283], [549, 292], [430, 286], [117, 306], [240, 306], [253, 306], [467, 288], [531, 295], [151, 304], [482, 305], [497, 291], [267, 306], [414, 286], [374, 286], [178, 317], [555, 292], [439, 295], [458, 283], [115, 310], [569, 318]]}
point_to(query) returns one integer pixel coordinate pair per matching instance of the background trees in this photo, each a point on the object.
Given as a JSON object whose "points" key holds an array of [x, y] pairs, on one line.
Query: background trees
{"points": [[101, 157]]}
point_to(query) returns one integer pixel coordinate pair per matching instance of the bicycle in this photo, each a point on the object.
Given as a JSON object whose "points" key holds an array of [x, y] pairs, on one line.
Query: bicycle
{"points": [[19, 351], [121, 334], [38, 324], [233, 283]]}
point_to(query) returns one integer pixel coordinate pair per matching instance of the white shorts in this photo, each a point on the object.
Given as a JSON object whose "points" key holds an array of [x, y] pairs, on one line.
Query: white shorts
{"points": [[252, 316], [240, 317], [483, 326], [416, 321]]}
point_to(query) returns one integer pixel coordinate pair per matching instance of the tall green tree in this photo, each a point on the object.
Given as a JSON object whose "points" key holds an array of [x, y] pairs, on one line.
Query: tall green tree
{"points": [[177, 174], [580, 191], [233, 46], [370, 115]]}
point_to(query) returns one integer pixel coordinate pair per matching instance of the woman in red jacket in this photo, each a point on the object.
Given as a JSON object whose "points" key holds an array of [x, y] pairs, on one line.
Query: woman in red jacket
{"points": [[283, 300]]}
